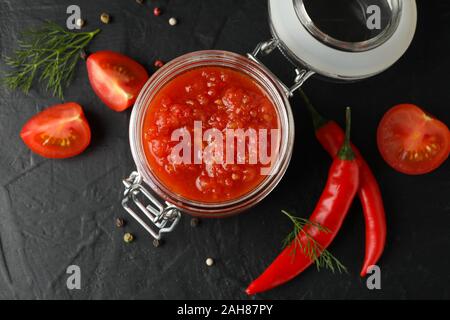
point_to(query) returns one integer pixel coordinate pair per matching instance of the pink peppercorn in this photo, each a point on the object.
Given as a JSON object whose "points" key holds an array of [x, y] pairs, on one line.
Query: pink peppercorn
{"points": [[157, 11], [159, 63]]}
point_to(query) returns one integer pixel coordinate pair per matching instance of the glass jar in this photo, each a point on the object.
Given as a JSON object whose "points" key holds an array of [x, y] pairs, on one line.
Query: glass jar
{"points": [[169, 205], [313, 44]]}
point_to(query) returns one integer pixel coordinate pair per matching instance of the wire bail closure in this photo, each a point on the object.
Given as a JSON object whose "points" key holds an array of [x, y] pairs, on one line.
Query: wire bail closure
{"points": [[163, 216], [264, 49]]}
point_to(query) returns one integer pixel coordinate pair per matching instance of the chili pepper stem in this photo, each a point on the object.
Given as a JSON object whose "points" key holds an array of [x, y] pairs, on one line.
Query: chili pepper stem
{"points": [[346, 152], [318, 120]]}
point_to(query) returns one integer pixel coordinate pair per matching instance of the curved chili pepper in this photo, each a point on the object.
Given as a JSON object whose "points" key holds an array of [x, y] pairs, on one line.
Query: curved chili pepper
{"points": [[330, 211], [331, 136]]}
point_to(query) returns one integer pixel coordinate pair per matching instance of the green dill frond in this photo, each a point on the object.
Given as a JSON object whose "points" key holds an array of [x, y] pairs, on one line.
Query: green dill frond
{"points": [[312, 249], [47, 55]]}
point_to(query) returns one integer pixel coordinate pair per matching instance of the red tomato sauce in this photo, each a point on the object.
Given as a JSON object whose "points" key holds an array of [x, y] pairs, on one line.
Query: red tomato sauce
{"points": [[221, 98]]}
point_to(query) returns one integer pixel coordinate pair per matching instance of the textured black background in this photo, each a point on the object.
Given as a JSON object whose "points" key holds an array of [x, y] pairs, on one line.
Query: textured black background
{"points": [[57, 213]]}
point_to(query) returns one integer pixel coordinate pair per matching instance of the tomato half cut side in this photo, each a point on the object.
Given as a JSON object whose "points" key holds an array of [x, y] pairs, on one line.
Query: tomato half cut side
{"points": [[60, 131], [411, 141], [115, 78]]}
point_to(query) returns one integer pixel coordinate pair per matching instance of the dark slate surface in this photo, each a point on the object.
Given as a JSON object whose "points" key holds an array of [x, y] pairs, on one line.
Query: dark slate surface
{"points": [[57, 213]]}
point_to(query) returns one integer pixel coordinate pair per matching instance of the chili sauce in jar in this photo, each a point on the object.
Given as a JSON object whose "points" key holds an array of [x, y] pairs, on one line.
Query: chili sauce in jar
{"points": [[209, 99]]}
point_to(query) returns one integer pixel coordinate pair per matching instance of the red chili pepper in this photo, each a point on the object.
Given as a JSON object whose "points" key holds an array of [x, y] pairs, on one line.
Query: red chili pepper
{"points": [[330, 136], [333, 205]]}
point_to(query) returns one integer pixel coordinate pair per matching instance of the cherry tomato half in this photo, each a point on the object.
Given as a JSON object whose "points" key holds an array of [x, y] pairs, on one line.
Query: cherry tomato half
{"points": [[60, 131], [411, 141], [115, 78]]}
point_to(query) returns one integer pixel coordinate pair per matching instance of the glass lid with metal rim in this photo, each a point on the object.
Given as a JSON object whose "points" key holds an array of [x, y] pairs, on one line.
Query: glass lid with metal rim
{"points": [[345, 39]]}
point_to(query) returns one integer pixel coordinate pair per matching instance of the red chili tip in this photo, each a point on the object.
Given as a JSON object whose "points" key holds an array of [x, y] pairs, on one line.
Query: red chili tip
{"points": [[159, 63], [364, 270], [157, 11], [250, 290]]}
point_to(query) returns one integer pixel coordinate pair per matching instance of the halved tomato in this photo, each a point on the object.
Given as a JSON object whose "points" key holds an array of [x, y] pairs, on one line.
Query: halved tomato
{"points": [[115, 78], [411, 141], [60, 131]]}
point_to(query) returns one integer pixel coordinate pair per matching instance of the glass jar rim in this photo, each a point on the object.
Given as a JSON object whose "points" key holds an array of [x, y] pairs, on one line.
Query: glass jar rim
{"points": [[222, 59], [306, 50], [359, 46]]}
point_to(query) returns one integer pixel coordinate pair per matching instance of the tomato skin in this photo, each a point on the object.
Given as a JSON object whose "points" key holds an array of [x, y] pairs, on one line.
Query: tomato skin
{"points": [[411, 141], [58, 132], [115, 78]]}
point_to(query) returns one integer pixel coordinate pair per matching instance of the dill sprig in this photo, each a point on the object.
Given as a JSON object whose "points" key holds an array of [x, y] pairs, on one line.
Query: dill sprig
{"points": [[312, 249], [49, 54]]}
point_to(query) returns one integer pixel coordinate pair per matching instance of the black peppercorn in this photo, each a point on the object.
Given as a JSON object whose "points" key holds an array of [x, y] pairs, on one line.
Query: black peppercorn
{"points": [[194, 222]]}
